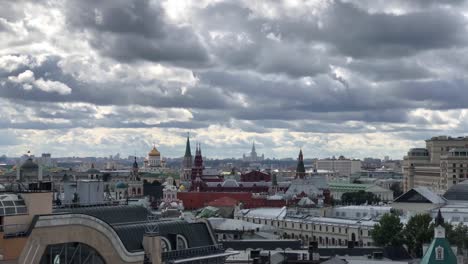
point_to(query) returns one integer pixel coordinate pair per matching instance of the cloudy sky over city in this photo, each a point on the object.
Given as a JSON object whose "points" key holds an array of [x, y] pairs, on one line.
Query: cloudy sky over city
{"points": [[353, 77]]}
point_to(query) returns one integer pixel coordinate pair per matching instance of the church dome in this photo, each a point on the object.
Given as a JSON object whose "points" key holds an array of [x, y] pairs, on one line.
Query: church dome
{"points": [[29, 164], [154, 152]]}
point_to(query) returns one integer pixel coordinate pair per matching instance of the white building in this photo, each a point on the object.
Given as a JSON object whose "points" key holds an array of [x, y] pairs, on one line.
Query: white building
{"points": [[357, 212], [327, 231], [341, 166]]}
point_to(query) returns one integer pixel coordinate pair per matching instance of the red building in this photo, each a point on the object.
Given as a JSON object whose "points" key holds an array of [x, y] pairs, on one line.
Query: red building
{"points": [[255, 176], [197, 200]]}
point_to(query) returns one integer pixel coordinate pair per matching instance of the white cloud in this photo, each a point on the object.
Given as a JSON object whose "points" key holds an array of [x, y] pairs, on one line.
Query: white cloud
{"points": [[24, 77], [52, 86], [10, 63], [27, 79]]}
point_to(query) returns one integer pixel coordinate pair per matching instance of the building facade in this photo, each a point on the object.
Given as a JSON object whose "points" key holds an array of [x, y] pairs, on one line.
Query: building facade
{"points": [[342, 166], [443, 163]]}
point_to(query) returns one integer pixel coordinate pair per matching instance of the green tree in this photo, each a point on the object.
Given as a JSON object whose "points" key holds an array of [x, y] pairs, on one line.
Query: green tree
{"points": [[396, 188], [457, 236], [418, 231], [388, 232], [359, 197]]}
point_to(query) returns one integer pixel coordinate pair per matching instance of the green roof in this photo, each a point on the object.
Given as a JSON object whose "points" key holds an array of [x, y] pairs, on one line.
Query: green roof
{"points": [[348, 186], [430, 256], [188, 152]]}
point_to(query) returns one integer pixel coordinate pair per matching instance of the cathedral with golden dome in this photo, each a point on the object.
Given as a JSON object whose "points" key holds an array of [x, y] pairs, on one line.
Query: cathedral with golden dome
{"points": [[154, 162]]}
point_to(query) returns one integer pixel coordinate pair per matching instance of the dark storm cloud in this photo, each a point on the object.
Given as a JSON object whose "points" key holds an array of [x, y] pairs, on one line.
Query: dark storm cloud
{"points": [[356, 32], [390, 70], [135, 30], [351, 67]]}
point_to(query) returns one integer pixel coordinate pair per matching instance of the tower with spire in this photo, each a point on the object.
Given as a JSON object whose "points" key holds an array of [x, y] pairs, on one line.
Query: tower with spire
{"points": [[135, 170], [197, 168], [439, 251], [253, 156], [253, 153], [187, 161], [300, 170]]}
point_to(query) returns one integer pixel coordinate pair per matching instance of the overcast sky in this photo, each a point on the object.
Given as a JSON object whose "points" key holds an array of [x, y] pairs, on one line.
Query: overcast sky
{"points": [[356, 77]]}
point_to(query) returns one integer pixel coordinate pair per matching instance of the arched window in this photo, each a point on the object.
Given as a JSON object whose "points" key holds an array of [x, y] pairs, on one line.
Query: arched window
{"points": [[182, 242], [439, 253]]}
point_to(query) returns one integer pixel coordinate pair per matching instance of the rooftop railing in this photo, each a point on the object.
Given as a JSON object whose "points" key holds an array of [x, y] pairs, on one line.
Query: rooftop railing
{"points": [[192, 252]]}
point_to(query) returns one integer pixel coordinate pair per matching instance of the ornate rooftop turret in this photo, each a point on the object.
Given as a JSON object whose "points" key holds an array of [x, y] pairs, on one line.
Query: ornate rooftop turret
{"points": [[439, 251]]}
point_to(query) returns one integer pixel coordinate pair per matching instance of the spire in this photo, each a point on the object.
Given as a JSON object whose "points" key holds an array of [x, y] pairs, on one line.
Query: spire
{"points": [[300, 170], [439, 220], [135, 164], [253, 146], [188, 151]]}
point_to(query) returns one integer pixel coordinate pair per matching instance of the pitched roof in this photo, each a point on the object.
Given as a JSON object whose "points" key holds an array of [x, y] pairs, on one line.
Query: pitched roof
{"points": [[448, 255], [420, 194]]}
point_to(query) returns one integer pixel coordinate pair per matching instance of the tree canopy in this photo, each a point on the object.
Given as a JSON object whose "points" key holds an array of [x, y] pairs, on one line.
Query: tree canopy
{"points": [[418, 231], [388, 232], [359, 197], [396, 188]]}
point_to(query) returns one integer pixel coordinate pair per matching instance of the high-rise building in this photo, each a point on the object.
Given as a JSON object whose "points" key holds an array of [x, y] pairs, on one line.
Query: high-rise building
{"points": [[253, 157], [443, 163]]}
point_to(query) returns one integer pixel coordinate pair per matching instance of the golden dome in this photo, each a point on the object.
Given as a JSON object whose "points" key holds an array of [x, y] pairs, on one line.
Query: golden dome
{"points": [[154, 152]]}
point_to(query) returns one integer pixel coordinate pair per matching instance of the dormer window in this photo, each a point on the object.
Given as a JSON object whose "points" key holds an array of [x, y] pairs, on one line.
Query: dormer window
{"points": [[439, 253]]}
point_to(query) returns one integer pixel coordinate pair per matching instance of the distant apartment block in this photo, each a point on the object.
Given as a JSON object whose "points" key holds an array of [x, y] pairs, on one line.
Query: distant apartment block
{"points": [[342, 166], [443, 163]]}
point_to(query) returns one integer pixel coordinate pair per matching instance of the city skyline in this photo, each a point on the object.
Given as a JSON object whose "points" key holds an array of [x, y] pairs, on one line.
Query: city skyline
{"points": [[86, 78]]}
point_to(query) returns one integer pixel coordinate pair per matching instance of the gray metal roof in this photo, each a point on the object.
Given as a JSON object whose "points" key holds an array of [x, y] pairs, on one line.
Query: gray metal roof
{"points": [[458, 192], [112, 214], [196, 234], [130, 223]]}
